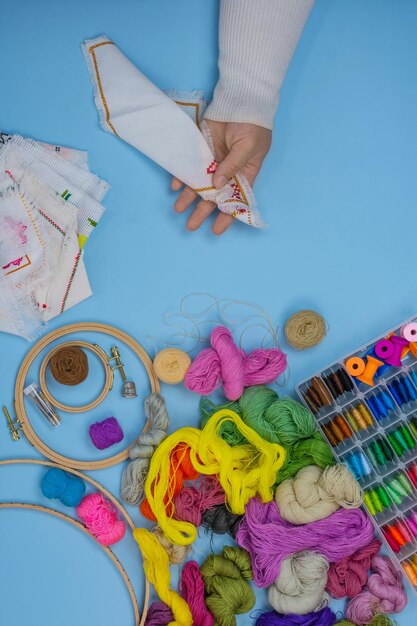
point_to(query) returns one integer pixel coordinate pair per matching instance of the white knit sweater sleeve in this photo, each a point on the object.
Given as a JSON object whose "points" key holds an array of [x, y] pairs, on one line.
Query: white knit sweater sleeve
{"points": [[257, 39]]}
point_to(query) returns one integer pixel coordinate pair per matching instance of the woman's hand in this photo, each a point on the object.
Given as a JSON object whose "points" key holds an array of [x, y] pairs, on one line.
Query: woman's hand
{"points": [[238, 147]]}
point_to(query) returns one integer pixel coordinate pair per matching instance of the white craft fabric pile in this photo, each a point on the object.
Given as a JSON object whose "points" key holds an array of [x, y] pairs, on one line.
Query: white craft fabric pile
{"points": [[49, 204]]}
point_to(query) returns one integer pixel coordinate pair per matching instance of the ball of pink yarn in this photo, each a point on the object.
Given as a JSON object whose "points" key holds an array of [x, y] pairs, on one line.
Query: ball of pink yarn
{"points": [[226, 364], [191, 502], [384, 593], [192, 590], [347, 577], [100, 517]]}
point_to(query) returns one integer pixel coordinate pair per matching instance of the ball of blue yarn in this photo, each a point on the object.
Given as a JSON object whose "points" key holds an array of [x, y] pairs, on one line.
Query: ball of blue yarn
{"points": [[63, 486]]}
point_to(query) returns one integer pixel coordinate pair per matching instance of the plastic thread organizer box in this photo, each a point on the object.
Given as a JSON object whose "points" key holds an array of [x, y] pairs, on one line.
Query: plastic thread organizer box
{"points": [[366, 407]]}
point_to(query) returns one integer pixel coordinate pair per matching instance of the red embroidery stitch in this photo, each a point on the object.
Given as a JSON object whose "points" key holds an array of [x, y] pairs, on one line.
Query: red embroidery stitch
{"points": [[15, 262], [212, 167]]}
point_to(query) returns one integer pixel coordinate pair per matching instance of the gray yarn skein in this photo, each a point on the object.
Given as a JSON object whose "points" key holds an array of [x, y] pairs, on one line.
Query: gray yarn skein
{"points": [[141, 451]]}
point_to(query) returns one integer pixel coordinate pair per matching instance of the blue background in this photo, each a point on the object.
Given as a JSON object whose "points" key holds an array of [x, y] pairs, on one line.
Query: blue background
{"points": [[338, 190]]}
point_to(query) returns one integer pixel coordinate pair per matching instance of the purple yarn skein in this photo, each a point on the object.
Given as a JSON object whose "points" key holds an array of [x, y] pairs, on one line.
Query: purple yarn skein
{"points": [[159, 614], [269, 539], [324, 617], [105, 433]]}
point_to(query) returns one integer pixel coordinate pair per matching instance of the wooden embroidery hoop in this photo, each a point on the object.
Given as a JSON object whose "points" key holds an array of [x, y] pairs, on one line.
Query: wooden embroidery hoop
{"points": [[20, 408], [139, 617]]}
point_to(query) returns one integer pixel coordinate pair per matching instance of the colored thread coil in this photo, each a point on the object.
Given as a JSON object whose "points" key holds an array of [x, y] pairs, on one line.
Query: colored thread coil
{"points": [[358, 465], [317, 395], [338, 382], [358, 417], [305, 329], [377, 499], [337, 430], [69, 366]]}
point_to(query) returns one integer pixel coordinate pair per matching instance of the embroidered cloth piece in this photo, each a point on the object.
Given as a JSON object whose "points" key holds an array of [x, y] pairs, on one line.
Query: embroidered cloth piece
{"points": [[49, 204], [133, 108]]}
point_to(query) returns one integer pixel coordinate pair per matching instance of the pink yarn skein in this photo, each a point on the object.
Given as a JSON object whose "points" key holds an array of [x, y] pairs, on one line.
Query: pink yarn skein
{"points": [[347, 578], [384, 593], [226, 364], [192, 590], [100, 517], [191, 502]]}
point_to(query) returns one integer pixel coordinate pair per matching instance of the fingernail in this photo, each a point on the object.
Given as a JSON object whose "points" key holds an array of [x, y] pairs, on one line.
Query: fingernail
{"points": [[220, 182]]}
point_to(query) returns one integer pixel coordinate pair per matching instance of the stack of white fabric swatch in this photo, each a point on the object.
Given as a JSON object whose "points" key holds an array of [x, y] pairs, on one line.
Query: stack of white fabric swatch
{"points": [[49, 204]]}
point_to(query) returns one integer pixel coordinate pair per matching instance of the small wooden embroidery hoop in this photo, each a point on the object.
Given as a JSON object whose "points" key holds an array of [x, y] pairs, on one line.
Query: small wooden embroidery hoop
{"points": [[20, 385], [86, 407], [139, 617]]}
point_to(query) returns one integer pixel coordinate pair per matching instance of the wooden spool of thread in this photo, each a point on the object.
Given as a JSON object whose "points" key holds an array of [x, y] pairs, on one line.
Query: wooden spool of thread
{"points": [[171, 365], [305, 329], [69, 366]]}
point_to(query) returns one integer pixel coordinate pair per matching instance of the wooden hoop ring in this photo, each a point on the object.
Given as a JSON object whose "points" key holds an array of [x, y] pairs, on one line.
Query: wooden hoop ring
{"points": [[66, 518], [116, 503], [20, 384], [108, 383]]}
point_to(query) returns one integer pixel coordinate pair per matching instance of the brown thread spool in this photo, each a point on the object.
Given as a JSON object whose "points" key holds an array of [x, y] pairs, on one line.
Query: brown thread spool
{"points": [[330, 436], [69, 365], [319, 386], [344, 427], [315, 397], [310, 403], [337, 431], [330, 384], [337, 382]]}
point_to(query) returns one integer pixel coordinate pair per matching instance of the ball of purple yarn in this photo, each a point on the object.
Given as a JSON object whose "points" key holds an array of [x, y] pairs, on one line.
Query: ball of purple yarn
{"points": [[324, 617], [105, 433]]}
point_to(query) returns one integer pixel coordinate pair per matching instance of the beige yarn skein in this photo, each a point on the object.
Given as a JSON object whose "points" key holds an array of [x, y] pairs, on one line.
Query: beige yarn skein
{"points": [[315, 493]]}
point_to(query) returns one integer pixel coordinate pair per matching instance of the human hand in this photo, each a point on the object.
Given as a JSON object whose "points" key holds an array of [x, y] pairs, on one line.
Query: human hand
{"points": [[238, 147]]}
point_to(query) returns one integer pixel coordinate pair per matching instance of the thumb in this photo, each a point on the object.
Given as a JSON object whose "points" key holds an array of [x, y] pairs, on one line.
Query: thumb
{"points": [[230, 166]]}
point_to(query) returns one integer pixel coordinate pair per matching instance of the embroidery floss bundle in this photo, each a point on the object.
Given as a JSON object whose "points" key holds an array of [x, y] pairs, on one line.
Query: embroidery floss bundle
{"points": [[243, 471], [221, 521], [224, 364], [269, 539], [101, 518], [311, 451], [300, 586], [226, 585], [192, 590], [106, 433], [348, 576], [67, 488], [159, 614], [156, 568], [176, 554], [180, 469], [192, 502], [305, 329], [384, 592], [315, 493], [280, 420], [325, 617], [141, 451]]}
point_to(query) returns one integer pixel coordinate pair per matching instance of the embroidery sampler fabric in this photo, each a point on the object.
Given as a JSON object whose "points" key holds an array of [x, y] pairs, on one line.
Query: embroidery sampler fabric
{"points": [[49, 204], [167, 127]]}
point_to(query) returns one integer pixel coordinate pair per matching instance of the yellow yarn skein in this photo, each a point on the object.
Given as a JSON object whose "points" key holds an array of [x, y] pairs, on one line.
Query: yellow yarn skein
{"points": [[243, 471], [156, 568]]}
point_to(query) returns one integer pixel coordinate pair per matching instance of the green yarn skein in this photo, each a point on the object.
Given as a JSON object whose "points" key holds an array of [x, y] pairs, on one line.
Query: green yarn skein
{"points": [[225, 579], [311, 451], [378, 620], [277, 420]]}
